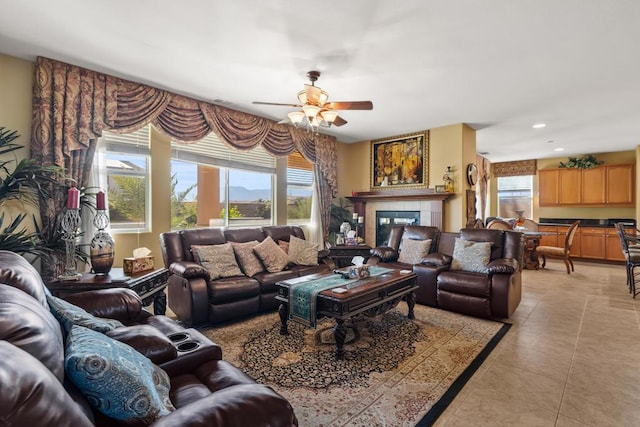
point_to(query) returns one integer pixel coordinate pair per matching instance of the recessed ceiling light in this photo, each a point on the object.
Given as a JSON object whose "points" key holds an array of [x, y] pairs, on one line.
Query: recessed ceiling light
{"points": [[558, 149], [539, 125]]}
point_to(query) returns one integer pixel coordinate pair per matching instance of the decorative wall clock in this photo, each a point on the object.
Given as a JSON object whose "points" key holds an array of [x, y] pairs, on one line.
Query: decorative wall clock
{"points": [[472, 174]]}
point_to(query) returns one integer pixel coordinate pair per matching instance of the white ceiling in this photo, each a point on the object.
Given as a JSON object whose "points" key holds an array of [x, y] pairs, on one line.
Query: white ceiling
{"points": [[498, 65]]}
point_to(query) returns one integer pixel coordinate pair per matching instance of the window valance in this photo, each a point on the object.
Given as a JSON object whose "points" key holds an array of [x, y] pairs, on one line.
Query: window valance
{"points": [[518, 168]]}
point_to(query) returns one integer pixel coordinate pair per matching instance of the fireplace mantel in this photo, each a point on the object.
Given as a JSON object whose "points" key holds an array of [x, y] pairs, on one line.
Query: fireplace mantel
{"points": [[430, 202], [385, 196]]}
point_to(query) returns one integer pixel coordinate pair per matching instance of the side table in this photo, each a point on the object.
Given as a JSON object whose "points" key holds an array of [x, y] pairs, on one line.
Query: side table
{"points": [[149, 285], [342, 254]]}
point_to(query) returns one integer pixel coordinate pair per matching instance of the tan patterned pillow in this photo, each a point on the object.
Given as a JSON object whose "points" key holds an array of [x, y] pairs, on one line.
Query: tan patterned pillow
{"points": [[302, 252], [220, 260], [284, 245], [247, 259], [273, 258], [414, 250], [471, 256]]}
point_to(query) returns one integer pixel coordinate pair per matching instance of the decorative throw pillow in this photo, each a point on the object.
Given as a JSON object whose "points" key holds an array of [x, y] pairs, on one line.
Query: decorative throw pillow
{"points": [[302, 252], [471, 256], [284, 245], [68, 315], [220, 260], [273, 258], [247, 259], [116, 379], [414, 250]]}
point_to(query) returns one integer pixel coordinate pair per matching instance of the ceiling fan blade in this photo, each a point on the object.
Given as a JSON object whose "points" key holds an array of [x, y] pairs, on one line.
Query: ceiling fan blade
{"points": [[277, 104], [349, 105], [339, 121]]}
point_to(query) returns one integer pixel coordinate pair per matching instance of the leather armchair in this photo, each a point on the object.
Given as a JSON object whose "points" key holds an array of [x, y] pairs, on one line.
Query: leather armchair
{"points": [[205, 390], [390, 252]]}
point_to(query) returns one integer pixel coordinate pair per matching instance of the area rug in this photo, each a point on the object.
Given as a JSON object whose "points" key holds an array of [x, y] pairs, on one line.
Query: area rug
{"points": [[396, 372]]}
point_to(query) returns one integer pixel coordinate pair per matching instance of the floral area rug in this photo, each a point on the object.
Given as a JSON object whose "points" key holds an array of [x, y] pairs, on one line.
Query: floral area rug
{"points": [[396, 372]]}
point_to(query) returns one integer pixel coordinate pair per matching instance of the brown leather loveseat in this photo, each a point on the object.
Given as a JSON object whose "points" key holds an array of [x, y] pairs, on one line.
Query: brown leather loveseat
{"points": [[36, 389], [196, 299], [495, 293]]}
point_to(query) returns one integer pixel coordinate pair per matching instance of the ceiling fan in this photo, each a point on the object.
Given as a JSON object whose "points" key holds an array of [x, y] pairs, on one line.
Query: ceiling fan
{"points": [[316, 111]]}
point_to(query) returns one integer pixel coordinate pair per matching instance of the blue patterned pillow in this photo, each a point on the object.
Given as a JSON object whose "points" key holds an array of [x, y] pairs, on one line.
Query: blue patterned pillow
{"points": [[69, 315], [471, 256], [116, 379]]}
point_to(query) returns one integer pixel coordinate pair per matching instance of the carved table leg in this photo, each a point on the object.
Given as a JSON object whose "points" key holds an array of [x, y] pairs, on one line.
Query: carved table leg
{"points": [[284, 315], [339, 333], [411, 302]]}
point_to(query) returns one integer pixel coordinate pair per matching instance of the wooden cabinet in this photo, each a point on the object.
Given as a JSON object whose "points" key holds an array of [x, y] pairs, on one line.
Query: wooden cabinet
{"points": [[593, 188], [592, 242], [596, 243], [613, 246], [569, 186], [548, 187], [549, 239], [620, 189], [601, 186]]}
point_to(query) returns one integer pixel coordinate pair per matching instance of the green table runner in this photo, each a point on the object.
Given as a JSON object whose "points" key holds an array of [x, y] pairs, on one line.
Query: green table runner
{"points": [[303, 296]]}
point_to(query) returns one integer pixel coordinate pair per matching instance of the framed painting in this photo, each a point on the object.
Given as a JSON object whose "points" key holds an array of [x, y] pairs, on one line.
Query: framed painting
{"points": [[400, 162]]}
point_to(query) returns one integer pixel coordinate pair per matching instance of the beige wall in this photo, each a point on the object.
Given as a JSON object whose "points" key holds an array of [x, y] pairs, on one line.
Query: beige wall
{"points": [[453, 146], [16, 80]]}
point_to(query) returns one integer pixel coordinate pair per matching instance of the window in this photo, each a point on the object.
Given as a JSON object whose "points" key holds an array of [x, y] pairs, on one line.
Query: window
{"points": [[299, 189], [126, 159], [515, 194], [215, 185]]}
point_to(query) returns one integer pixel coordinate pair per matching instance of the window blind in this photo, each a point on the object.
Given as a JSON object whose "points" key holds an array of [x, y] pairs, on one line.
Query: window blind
{"points": [[211, 151], [299, 170], [129, 143]]}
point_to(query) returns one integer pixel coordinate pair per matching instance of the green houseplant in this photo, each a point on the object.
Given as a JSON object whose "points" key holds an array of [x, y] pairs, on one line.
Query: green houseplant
{"points": [[23, 182], [584, 162]]}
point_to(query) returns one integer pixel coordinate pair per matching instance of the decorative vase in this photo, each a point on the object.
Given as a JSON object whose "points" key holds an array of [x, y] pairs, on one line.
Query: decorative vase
{"points": [[520, 219], [102, 248]]}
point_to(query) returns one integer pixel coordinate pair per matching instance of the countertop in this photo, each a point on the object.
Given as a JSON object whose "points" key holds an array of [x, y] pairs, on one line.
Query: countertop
{"points": [[589, 222]]}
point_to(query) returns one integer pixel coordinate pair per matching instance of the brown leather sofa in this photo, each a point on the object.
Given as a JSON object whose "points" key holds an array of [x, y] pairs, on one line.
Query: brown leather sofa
{"points": [[198, 300], [492, 295], [35, 391]]}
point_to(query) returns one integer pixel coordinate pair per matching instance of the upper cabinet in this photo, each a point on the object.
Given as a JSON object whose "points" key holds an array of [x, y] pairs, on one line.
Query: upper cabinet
{"points": [[602, 185]]}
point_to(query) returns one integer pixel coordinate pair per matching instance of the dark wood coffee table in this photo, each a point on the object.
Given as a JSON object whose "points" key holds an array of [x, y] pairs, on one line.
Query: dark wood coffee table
{"points": [[370, 296]]}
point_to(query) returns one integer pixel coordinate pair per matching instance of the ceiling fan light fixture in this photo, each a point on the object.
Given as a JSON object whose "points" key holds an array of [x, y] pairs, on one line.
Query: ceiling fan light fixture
{"points": [[323, 98], [302, 97], [329, 116], [296, 117], [311, 111]]}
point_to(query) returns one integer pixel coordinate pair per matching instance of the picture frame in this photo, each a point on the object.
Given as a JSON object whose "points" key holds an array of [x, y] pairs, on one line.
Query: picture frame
{"points": [[400, 161], [440, 189]]}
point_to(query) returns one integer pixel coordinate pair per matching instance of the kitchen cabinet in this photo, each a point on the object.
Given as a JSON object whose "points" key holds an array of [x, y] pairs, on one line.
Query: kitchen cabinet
{"points": [[569, 186], [592, 242], [548, 187], [600, 186], [620, 189], [548, 239], [613, 247]]}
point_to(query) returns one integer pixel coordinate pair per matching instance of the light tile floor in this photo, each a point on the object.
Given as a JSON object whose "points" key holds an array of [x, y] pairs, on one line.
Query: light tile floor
{"points": [[572, 357]]}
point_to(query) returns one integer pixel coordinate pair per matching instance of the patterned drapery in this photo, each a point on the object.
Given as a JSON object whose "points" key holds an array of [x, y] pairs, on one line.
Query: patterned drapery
{"points": [[518, 168], [73, 105], [484, 174]]}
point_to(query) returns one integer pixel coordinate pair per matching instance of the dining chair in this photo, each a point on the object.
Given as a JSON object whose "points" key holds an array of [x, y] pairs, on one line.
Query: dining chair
{"points": [[498, 224], [563, 253], [530, 225], [631, 252]]}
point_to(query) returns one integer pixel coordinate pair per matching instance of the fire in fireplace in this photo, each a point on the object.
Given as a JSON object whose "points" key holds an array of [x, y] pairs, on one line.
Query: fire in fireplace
{"points": [[387, 219]]}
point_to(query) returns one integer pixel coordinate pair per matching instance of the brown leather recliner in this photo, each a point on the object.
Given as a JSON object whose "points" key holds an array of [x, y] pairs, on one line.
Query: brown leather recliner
{"points": [[495, 294], [389, 254], [205, 390]]}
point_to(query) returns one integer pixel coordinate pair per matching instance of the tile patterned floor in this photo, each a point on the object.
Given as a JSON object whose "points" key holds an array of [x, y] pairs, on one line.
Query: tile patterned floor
{"points": [[572, 357]]}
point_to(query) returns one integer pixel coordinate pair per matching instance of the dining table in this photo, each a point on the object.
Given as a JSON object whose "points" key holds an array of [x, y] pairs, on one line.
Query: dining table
{"points": [[531, 242]]}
